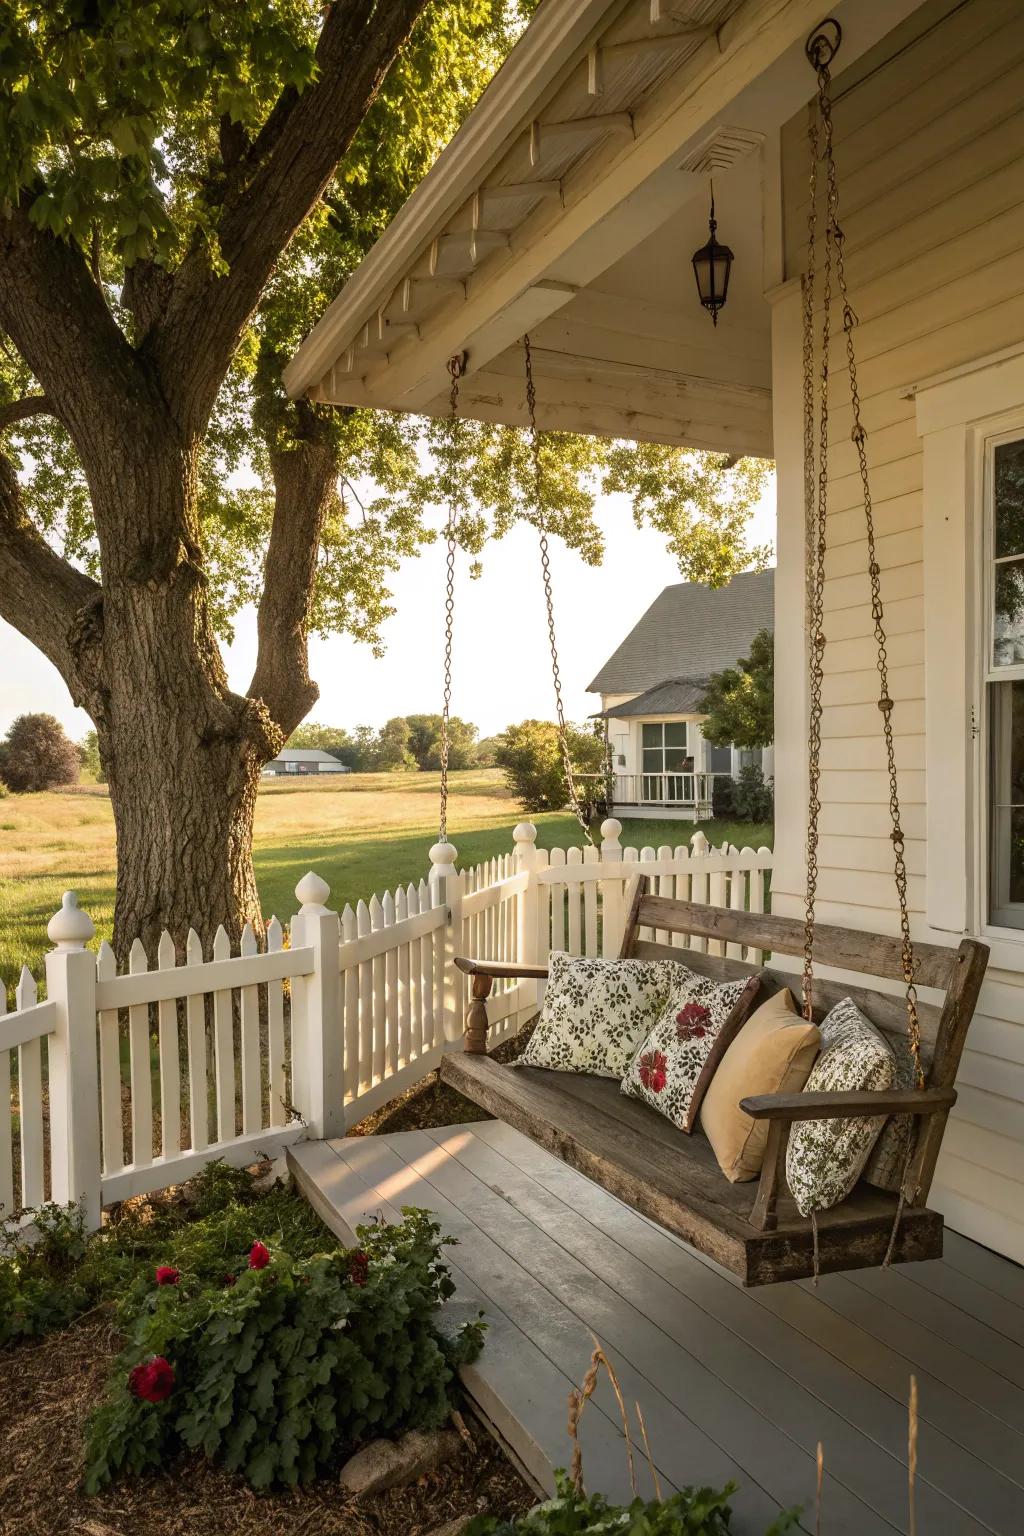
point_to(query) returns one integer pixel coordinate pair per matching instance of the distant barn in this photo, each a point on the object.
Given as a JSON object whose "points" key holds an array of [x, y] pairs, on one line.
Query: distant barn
{"points": [[303, 760]]}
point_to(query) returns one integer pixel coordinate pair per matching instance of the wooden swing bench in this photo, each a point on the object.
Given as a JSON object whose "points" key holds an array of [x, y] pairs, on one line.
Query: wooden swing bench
{"points": [[752, 1229]]}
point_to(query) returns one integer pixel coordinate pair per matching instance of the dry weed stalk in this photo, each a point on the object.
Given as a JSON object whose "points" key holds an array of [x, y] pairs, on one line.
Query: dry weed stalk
{"points": [[578, 1399], [818, 1488], [912, 1456], [650, 1458]]}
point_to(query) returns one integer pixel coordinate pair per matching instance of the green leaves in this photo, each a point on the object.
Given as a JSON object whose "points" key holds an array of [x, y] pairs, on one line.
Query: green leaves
{"points": [[281, 1374], [740, 701]]}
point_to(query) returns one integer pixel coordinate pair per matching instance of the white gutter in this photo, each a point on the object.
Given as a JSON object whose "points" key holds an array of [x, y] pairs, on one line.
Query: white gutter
{"points": [[557, 33]]}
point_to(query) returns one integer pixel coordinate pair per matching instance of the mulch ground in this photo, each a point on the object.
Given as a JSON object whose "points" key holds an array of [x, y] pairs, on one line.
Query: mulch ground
{"points": [[49, 1388]]}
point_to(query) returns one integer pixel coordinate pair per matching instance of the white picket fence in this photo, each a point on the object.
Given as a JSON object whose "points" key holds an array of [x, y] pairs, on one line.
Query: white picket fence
{"points": [[126, 1083]]}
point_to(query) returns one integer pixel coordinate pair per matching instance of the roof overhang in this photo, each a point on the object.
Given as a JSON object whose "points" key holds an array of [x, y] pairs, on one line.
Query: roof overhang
{"points": [[565, 205]]}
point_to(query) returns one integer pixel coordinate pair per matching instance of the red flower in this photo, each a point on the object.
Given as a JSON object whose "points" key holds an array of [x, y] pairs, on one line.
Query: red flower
{"points": [[358, 1267], [259, 1256], [691, 1022], [153, 1380], [653, 1070], [166, 1274]]}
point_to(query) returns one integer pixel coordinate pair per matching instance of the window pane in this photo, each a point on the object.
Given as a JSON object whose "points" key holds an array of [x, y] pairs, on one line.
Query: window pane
{"points": [[653, 760], [675, 758], [1006, 800], [652, 735], [1009, 498], [719, 760], [675, 735], [1008, 620]]}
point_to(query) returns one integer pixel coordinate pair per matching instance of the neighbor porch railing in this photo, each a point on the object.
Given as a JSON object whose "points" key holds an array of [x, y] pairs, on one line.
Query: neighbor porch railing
{"points": [[119, 1084]]}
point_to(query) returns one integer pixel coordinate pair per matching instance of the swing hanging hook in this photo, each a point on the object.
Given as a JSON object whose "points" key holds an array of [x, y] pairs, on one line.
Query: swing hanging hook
{"points": [[457, 365], [823, 43]]}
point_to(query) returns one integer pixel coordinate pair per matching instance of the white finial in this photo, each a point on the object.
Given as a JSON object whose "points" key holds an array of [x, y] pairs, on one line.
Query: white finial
{"points": [[525, 832], [70, 928], [313, 892], [443, 854], [699, 843], [610, 830]]}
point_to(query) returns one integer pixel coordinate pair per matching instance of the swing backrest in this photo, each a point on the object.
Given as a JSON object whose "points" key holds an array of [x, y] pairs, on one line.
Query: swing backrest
{"points": [[955, 973]]}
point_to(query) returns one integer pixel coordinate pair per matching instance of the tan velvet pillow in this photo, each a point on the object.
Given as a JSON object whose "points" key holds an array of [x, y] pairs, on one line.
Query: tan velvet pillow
{"points": [[773, 1053]]}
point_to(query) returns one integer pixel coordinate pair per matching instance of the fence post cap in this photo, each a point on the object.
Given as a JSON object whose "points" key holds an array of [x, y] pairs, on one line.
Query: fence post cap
{"points": [[699, 843], [443, 856], [524, 832], [312, 891], [70, 928], [610, 830]]}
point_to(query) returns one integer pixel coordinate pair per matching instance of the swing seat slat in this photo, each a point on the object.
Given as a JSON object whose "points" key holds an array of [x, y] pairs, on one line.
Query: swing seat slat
{"points": [[754, 1230]]}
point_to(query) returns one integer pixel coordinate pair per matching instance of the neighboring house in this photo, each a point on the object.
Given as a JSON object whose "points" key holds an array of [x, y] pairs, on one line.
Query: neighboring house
{"points": [[651, 689], [303, 760], [567, 206]]}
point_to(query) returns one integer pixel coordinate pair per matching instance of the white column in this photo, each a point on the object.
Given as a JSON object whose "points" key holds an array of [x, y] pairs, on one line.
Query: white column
{"points": [[75, 1171], [446, 891], [612, 891], [524, 836], [318, 1033]]}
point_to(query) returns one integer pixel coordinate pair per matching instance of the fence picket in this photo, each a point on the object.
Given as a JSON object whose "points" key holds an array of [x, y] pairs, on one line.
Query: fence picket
{"points": [[380, 997], [198, 1087], [249, 1044], [111, 1120], [390, 914], [30, 1101], [365, 1061], [402, 1057], [699, 883], [223, 1046], [167, 1048], [428, 1007], [276, 1082], [6, 1127], [413, 983], [589, 891], [140, 1072]]}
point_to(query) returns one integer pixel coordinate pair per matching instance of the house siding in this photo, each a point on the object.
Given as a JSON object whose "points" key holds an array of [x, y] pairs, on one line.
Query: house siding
{"points": [[929, 130]]}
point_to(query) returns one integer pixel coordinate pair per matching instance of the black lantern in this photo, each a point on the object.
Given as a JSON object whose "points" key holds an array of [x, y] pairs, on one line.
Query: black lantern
{"points": [[711, 267]]}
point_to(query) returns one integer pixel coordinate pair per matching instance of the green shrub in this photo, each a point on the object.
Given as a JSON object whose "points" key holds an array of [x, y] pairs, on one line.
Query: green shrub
{"points": [[723, 797], [690, 1512], [279, 1367], [753, 796]]}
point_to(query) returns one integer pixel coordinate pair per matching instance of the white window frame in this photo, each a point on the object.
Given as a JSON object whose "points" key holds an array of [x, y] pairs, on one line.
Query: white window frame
{"points": [[961, 416]]}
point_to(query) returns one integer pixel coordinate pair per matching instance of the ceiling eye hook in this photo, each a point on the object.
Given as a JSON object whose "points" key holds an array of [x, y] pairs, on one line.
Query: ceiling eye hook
{"points": [[823, 43]]}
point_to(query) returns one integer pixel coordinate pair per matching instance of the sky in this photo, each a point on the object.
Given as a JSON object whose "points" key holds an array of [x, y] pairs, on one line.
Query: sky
{"points": [[502, 665]]}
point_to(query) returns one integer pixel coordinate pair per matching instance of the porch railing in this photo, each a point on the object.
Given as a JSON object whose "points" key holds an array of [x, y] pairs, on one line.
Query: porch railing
{"points": [[676, 790], [116, 1084]]}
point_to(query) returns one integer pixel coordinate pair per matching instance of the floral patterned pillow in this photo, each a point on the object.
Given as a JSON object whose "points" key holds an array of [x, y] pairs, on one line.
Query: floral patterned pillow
{"points": [[887, 1162], [825, 1158], [673, 1066], [595, 1012]]}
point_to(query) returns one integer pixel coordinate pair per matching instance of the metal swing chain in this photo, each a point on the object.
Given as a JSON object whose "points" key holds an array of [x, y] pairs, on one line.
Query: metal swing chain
{"points": [[455, 370], [545, 564], [821, 50]]}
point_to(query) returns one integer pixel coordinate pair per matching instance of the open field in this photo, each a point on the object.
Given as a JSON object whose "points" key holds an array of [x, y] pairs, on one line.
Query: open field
{"points": [[361, 832]]}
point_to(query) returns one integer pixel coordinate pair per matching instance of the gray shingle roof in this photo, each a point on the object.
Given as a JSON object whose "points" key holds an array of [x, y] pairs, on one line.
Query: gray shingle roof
{"points": [[675, 696], [690, 631], [304, 755]]}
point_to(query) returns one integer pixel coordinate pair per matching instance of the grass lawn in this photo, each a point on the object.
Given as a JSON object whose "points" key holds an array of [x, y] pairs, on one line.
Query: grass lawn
{"points": [[362, 832]]}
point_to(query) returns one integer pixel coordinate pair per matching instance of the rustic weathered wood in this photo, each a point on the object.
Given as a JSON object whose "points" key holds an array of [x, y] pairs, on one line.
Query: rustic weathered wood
{"points": [[763, 1213], [851, 1105], [636, 1154], [957, 1011], [476, 1018], [848, 949]]}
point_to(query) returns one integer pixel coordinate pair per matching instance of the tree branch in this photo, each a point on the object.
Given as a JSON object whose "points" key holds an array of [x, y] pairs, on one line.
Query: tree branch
{"points": [[277, 183], [56, 607], [21, 410], [58, 319], [305, 480]]}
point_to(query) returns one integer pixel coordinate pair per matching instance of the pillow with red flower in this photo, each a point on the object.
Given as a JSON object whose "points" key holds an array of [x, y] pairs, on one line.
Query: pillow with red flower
{"points": [[672, 1067]]}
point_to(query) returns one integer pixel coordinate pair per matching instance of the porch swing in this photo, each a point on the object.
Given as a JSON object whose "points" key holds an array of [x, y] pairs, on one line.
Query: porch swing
{"points": [[624, 1145]]}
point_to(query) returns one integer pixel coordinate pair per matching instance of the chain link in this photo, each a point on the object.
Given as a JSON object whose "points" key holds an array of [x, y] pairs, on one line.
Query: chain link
{"points": [[821, 143], [455, 370], [545, 565]]}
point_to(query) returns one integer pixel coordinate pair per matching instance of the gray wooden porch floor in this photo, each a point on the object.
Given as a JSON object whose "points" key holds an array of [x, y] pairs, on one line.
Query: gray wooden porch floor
{"points": [[733, 1384]]}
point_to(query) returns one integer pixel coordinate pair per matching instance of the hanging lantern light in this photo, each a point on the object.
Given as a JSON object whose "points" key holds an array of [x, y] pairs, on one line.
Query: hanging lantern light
{"points": [[711, 267]]}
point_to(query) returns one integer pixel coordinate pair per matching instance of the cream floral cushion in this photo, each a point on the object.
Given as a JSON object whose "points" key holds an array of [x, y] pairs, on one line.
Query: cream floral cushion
{"points": [[888, 1158], [673, 1066], [595, 1012], [825, 1158]]}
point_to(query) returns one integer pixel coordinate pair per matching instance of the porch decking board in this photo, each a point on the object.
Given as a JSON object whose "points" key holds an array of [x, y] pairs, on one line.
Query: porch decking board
{"points": [[734, 1383], [990, 1479]]}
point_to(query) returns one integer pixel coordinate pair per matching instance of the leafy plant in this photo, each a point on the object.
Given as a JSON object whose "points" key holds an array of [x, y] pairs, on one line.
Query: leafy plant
{"points": [[753, 797], [36, 754], [690, 1512], [531, 760], [739, 702], [281, 1367]]}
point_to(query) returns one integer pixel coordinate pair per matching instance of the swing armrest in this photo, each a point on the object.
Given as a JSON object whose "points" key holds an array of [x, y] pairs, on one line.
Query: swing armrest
{"points": [[500, 969], [855, 1105]]}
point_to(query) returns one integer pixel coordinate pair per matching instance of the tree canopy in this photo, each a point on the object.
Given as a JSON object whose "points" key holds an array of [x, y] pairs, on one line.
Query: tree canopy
{"points": [[740, 701]]}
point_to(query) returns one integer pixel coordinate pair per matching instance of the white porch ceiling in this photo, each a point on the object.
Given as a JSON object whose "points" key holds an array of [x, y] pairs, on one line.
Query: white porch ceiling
{"points": [[569, 205]]}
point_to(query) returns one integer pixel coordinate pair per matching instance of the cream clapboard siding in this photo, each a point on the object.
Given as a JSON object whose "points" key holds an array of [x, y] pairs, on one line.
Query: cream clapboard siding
{"points": [[930, 148]]}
